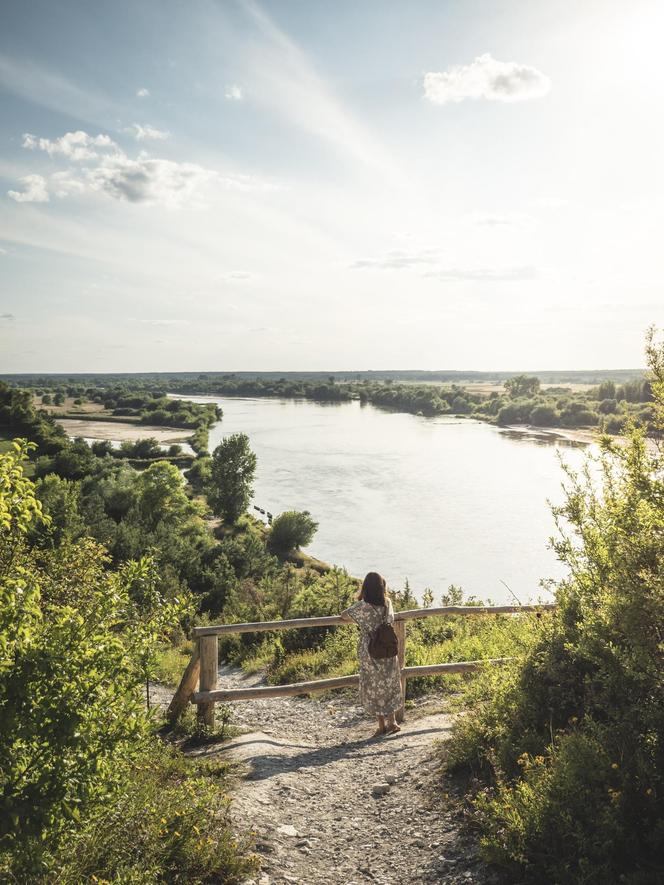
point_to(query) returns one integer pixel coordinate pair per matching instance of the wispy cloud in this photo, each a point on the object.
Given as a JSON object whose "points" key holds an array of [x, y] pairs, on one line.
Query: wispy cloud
{"points": [[284, 79], [7, 317], [159, 322], [484, 274], [430, 263], [486, 78], [143, 92], [234, 92], [512, 220], [397, 260], [236, 276], [145, 132], [48, 88], [34, 190]]}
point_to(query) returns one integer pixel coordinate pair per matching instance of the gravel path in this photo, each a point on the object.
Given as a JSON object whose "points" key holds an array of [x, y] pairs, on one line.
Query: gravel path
{"points": [[329, 804]]}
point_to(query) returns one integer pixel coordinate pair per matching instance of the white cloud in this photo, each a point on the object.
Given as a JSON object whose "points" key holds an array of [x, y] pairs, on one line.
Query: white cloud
{"points": [[142, 92], [143, 179], [146, 132], [486, 78], [147, 179], [73, 145], [66, 183], [234, 92], [34, 190]]}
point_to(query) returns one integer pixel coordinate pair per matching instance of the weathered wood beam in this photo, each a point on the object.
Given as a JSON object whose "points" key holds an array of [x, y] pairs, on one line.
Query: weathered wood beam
{"points": [[273, 691], [455, 667], [262, 626], [277, 691], [209, 671], [186, 688]]}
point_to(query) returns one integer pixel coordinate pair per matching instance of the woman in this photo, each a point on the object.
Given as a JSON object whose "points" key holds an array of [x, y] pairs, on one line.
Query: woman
{"points": [[380, 678]]}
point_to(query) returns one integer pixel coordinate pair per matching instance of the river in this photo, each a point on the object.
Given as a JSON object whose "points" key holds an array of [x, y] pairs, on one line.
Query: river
{"points": [[436, 501]]}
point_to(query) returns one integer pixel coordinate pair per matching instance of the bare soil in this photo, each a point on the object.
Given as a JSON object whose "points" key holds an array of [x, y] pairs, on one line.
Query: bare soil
{"points": [[324, 802]]}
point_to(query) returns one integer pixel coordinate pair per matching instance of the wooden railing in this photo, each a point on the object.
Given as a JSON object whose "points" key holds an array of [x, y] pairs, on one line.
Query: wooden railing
{"points": [[204, 664]]}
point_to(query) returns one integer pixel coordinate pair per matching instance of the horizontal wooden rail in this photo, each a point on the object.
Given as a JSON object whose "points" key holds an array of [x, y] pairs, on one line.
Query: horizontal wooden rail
{"points": [[204, 662], [330, 621], [275, 691]]}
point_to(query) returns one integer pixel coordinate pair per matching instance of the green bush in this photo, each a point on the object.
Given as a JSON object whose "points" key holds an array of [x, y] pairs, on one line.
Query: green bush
{"points": [[570, 738], [290, 531]]}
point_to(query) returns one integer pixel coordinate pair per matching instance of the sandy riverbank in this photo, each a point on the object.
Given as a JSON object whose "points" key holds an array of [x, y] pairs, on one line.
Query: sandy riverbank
{"points": [[575, 436], [112, 430]]}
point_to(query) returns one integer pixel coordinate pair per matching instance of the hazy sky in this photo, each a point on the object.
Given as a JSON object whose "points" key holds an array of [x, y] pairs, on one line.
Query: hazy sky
{"points": [[329, 185]]}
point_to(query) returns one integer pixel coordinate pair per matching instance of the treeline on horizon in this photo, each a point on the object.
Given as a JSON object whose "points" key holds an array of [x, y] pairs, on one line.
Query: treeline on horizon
{"points": [[546, 376], [606, 406]]}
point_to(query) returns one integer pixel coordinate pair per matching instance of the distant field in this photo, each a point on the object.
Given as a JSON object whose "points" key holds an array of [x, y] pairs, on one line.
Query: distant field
{"points": [[497, 386], [68, 406]]}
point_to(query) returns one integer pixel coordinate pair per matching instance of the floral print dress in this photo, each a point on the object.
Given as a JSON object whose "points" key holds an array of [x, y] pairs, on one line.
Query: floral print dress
{"points": [[380, 679]]}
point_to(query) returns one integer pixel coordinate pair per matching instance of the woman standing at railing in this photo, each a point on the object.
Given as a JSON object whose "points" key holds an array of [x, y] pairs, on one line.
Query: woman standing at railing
{"points": [[380, 678]]}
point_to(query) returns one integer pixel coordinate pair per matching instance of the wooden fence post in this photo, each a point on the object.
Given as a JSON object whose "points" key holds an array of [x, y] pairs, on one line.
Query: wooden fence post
{"points": [[209, 655], [186, 687], [400, 630]]}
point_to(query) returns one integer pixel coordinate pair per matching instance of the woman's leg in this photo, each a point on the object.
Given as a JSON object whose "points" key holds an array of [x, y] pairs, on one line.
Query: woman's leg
{"points": [[392, 727], [381, 726]]}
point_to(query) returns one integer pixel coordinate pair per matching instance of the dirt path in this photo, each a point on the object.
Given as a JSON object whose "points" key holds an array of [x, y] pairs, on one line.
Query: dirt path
{"points": [[328, 804]]}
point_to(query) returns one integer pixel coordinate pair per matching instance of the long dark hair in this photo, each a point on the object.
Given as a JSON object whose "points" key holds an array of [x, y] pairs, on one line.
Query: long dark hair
{"points": [[373, 589]]}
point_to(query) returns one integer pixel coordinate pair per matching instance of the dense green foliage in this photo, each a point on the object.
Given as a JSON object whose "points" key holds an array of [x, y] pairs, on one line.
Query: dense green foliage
{"points": [[290, 531], [85, 789], [570, 739]]}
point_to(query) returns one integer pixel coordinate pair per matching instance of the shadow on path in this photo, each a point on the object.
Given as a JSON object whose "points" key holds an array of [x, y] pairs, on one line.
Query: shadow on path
{"points": [[264, 765]]}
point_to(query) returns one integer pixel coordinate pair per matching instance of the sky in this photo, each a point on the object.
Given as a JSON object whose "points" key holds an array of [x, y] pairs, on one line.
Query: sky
{"points": [[306, 185]]}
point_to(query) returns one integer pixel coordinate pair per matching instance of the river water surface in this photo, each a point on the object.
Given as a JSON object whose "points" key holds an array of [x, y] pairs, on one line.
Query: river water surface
{"points": [[437, 501]]}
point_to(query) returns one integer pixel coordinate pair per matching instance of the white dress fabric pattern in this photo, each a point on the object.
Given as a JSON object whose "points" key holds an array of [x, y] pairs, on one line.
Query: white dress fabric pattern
{"points": [[380, 680]]}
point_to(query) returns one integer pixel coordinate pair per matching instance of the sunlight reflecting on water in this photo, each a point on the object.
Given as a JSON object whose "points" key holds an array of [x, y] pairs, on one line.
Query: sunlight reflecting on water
{"points": [[439, 501]]}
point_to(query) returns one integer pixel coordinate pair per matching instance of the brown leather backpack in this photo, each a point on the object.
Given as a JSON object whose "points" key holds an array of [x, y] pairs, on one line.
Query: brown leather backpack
{"points": [[383, 642]]}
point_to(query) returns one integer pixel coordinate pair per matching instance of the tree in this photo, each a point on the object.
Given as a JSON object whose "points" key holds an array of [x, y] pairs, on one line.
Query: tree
{"points": [[161, 493], [606, 390], [544, 416], [290, 531], [232, 474], [521, 385]]}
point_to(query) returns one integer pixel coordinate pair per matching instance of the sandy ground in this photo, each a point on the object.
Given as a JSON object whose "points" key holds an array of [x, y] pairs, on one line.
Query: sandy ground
{"points": [[326, 803], [116, 430], [576, 436]]}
